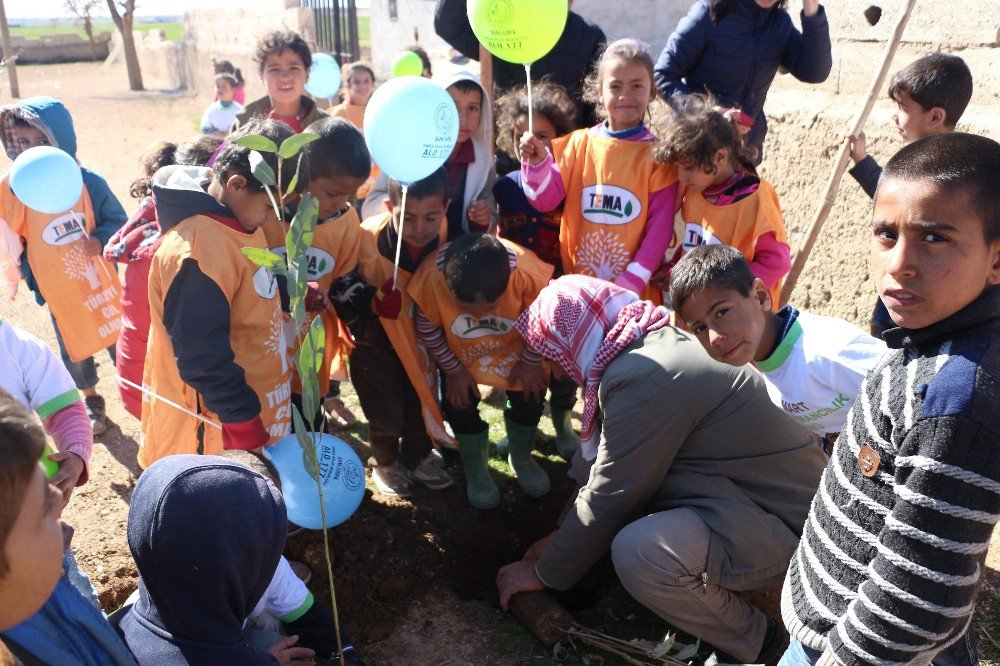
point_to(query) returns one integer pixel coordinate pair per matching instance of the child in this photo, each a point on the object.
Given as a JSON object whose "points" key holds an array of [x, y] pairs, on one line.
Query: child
{"points": [[392, 374], [226, 67], [359, 80], [203, 584], [619, 204], [554, 116], [216, 343], [44, 619], [468, 296], [283, 59], [134, 245], [61, 259], [338, 164], [471, 172], [813, 366], [220, 115], [892, 554], [724, 199], [931, 94]]}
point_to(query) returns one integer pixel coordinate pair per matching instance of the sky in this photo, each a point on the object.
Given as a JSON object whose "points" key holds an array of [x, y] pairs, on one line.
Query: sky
{"points": [[20, 9]]}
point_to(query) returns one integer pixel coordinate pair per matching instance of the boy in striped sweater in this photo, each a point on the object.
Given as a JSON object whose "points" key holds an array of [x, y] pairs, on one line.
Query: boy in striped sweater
{"points": [[892, 553]]}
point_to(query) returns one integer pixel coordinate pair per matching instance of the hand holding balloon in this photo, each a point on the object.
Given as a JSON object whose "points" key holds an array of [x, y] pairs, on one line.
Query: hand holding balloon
{"points": [[532, 149]]}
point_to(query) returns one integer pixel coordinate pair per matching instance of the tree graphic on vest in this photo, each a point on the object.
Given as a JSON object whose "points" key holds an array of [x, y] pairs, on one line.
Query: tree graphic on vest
{"points": [[480, 357], [81, 267], [276, 343], [602, 254]]}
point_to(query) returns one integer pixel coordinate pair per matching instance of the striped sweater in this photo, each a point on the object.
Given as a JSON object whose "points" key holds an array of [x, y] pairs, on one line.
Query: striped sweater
{"points": [[892, 553]]}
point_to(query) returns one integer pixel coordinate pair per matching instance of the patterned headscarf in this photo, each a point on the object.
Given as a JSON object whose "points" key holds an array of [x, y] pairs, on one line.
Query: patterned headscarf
{"points": [[583, 324]]}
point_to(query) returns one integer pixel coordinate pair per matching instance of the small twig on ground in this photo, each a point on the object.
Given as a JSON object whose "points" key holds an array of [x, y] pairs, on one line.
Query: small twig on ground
{"points": [[986, 633], [626, 650]]}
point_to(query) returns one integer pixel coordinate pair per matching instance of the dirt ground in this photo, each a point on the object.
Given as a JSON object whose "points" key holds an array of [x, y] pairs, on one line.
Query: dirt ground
{"points": [[414, 579]]}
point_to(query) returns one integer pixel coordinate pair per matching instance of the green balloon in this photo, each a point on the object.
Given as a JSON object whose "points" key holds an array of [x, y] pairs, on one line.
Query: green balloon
{"points": [[519, 31], [407, 63]]}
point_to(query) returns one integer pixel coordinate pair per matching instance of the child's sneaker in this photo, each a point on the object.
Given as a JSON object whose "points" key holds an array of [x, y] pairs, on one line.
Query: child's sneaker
{"points": [[95, 410], [431, 475], [392, 480]]}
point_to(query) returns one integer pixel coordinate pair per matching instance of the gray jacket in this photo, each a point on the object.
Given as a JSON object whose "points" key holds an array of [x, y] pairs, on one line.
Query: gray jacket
{"points": [[681, 430]]}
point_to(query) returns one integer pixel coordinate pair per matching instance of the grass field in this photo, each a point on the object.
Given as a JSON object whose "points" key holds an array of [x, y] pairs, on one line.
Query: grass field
{"points": [[174, 31]]}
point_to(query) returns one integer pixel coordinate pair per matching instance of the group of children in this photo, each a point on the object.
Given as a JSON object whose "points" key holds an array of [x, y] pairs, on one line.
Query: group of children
{"points": [[676, 213]]}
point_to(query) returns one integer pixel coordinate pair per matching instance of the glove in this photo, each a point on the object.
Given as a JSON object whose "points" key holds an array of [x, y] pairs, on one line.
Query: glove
{"points": [[245, 436], [387, 302]]}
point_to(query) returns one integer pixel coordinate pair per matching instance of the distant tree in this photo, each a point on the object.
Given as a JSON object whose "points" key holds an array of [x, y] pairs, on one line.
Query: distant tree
{"points": [[123, 14], [84, 9]]}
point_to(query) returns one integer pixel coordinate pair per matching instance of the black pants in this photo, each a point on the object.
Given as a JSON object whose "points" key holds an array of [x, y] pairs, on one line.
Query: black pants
{"points": [[562, 393], [391, 405], [518, 409]]}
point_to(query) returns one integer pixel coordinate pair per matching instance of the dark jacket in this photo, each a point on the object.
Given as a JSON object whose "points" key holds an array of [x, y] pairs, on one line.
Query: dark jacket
{"points": [[53, 119], [567, 64], [206, 534], [736, 59]]}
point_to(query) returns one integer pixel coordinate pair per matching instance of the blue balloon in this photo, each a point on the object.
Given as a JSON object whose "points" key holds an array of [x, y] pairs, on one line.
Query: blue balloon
{"points": [[324, 76], [341, 473], [46, 179], [411, 126]]}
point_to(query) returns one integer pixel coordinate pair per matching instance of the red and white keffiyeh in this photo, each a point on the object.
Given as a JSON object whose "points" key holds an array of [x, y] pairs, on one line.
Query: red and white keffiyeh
{"points": [[582, 324]]}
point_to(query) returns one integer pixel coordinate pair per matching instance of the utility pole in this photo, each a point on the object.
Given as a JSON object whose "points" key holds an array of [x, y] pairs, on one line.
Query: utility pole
{"points": [[8, 51]]}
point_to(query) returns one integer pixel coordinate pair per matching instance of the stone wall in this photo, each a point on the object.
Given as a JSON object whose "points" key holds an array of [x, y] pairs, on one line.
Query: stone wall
{"points": [[59, 48], [162, 62]]}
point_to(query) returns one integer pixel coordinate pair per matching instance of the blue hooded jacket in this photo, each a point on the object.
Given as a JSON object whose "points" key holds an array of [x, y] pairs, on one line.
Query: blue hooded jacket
{"points": [[737, 58], [51, 117]]}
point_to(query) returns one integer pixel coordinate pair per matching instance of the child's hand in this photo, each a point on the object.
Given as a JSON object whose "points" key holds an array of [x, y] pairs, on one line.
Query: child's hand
{"points": [[537, 549], [286, 654], [660, 279], [93, 247], [316, 300], [387, 302], [859, 148], [532, 149], [480, 216], [534, 380], [458, 386], [70, 469]]}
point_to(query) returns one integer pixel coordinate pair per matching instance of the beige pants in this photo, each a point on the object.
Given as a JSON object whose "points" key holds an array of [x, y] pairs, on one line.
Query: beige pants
{"points": [[660, 560]]}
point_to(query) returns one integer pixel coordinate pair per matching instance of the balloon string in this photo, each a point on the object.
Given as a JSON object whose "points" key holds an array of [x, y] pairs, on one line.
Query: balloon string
{"points": [[100, 260], [531, 124], [399, 240], [145, 390]]}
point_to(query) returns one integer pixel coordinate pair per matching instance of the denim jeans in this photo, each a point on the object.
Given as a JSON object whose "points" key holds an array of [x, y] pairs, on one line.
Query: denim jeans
{"points": [[84, 373], [961, 653]]}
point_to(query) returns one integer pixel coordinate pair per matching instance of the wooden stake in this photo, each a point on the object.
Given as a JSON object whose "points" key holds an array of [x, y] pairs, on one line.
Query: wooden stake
{"points": [[486, 78], [833, 184], [8, 52]]}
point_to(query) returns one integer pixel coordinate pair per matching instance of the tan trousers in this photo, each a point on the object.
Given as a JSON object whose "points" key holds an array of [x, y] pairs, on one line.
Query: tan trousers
{"points": [[660, 560]]}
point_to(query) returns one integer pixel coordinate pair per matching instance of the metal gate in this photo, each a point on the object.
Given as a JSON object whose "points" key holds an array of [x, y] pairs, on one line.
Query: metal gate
{"points": [[336, 28]]}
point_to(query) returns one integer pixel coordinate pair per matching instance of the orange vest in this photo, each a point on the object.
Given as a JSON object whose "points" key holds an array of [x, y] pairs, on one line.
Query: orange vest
{"points": [[375, 270], [488, 347], [608, 183], [83, 292], [356, 115], [739, 224], [255, 334], [333, 254]]}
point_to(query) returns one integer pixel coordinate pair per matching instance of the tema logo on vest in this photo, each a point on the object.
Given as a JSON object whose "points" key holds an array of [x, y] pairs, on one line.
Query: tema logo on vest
{"points": [[609, 204], [65, 229], [469, 328], [264, 283], [318, 262], [695, 235]]}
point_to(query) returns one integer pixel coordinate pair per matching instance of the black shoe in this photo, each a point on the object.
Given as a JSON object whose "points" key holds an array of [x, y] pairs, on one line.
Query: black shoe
{"points": [[774, 646], [95, 410], [351, 655]]}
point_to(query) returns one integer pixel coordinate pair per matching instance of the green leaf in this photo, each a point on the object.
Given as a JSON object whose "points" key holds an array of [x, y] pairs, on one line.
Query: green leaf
{"points": [[261, 170], [257, 142], [295, 177], [307, 443], [294, 143], [664, 646], [303, 226], [310, 360], [265, 258], [628, 208]]}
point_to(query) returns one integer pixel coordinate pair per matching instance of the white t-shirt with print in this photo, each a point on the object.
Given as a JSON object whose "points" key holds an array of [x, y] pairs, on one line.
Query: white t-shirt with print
{"points": [[815, 374], [33, 373]]}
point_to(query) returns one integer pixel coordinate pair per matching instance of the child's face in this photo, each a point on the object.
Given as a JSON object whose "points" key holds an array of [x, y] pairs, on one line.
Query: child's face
{"points": [[34, 551], [251, 207], [694, 176], [284, 77], [912, 120], [224, 91], [470, 110], [30, 137], [542, 126], [479, 309], [626, 90], [729, 325], [929, 256], [360, 86], [423, 220], [333, 192]]}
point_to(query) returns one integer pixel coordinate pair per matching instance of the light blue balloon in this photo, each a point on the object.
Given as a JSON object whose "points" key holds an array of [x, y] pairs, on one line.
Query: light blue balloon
{"points": [[341, 473], [411, 126], [46, 179], [324, 76]]}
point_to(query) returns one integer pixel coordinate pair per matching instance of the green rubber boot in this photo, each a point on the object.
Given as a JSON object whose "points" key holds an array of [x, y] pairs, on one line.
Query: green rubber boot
{"points": [[567, 441], [479, 487], [520, 441]]}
